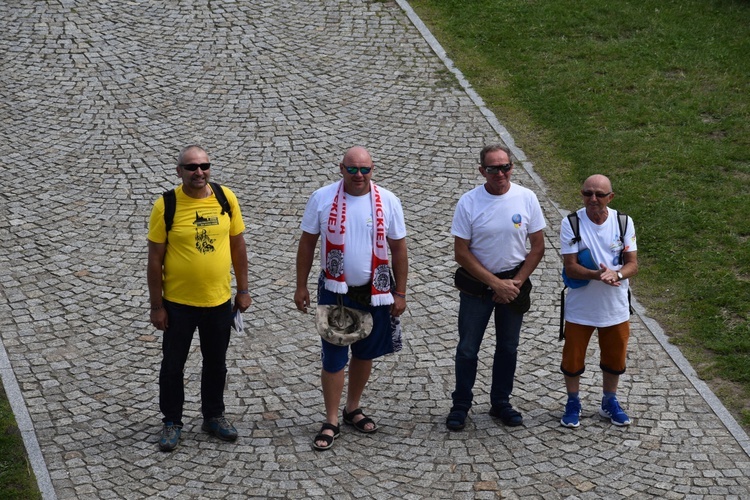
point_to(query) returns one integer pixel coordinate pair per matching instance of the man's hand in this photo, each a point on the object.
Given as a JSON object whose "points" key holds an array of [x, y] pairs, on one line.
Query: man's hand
{"points": [[159, 319], [608, 276], [302, 299], [399, 306], [505, 290], [242, 301]]}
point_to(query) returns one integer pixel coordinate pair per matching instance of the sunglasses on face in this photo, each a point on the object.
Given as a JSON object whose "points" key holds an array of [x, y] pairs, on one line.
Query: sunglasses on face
{"points": [[598, 194], [493, 169], [192, 167], [354, 170]]}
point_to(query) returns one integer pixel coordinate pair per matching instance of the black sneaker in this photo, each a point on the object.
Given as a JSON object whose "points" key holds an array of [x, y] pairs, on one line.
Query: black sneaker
{"points": [[170, 436], [506, 414], [220, 427]]}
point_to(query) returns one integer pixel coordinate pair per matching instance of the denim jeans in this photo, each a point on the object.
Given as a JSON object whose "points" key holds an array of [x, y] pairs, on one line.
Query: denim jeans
{"points": [[213, 325], [473, 316]]}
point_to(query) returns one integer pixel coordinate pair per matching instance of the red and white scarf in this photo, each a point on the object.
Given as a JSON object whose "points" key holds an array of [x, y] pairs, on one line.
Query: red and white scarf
{"points": [[334, 258]]}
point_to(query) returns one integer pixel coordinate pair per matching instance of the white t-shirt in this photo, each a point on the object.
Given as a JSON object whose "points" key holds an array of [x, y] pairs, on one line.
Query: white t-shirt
{"points": [[497, 226], [598, 304], [359, 227]]}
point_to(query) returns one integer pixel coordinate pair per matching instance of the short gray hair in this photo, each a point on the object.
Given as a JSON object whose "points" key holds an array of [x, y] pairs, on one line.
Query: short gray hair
{"points": [[495, 147], [186, 149]]}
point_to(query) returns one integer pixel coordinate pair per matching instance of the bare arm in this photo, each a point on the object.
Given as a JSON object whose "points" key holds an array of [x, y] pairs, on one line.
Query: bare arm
{"points": [[630, 264], [400, 266], [536, 252], [156, 252], [238, 250], [305, 256]]}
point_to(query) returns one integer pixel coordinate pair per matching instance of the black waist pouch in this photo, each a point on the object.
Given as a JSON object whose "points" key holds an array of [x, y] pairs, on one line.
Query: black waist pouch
{"points": [[522, 303], [468, 284], [360, 294]]}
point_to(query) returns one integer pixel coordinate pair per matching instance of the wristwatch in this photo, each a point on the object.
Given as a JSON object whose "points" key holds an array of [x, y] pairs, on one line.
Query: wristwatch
{"points": [[619, 276]]}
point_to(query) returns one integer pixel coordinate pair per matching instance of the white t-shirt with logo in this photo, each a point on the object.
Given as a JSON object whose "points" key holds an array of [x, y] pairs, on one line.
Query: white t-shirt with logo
{"points": [[497, 226], [359, 226], [598, 304]]}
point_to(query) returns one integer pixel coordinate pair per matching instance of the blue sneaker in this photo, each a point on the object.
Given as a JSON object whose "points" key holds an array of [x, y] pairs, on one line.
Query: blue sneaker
{"points": [[170, 436], [614, 413], [220, 427], [572, 414]]}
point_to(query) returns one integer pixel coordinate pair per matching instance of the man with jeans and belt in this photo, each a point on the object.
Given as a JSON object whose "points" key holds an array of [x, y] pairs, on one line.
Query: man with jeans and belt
{"points": [[189, 285], [491, 225]]}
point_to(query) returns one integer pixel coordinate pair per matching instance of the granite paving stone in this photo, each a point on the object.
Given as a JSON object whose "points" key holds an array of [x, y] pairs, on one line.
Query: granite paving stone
{"points": [[98, 98]]}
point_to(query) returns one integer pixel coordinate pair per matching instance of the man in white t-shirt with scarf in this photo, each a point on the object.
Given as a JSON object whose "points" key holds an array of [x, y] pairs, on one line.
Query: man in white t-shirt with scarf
{"points": [[600, 305], [491, 226], [360, 222]]}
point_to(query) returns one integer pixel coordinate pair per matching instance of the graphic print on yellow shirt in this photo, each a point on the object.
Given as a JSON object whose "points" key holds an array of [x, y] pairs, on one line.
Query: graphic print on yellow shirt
{"points": [[203, 241], [198, 261]]}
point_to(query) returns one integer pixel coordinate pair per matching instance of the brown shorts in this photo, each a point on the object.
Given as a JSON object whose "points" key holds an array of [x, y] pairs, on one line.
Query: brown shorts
{"points": [[613, 344]]}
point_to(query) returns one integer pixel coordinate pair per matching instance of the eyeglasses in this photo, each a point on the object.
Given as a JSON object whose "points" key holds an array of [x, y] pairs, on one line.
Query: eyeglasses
{"points": [[598, 194], [493, 169], [192, 167], [354, 170]]}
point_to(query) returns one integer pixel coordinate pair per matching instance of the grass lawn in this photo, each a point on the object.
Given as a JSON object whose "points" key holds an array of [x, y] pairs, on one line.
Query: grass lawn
{"points": [[17, 481], [656, 95]]}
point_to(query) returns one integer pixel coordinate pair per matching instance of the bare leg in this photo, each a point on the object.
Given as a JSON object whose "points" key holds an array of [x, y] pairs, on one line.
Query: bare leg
{"points": [[359, 374], [333, 386], [572, 384], [610, 382]]}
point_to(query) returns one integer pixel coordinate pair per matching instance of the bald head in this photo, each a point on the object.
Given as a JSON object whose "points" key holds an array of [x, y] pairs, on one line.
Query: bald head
{"points": [[189, 149], [357, 155], [598, 182], [356, 181], [597, 193]]}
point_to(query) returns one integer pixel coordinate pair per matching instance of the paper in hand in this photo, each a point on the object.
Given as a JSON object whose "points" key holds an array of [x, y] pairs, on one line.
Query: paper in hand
{"points": [[237, 323]]}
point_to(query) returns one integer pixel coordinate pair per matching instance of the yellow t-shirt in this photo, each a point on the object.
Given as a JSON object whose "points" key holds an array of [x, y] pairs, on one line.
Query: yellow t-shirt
{"points": [[198, 260]]}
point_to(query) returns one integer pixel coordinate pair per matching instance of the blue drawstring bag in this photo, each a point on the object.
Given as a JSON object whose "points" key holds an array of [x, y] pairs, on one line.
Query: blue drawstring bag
{"points": [[587, 261]]}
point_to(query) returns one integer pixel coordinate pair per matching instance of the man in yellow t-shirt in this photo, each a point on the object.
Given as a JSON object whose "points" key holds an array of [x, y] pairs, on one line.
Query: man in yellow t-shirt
{"points": [[189, 285]]}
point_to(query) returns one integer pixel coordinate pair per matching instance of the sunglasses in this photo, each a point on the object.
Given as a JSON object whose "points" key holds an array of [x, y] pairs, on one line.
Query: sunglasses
{"points": [[493, 169], [598, 194], [192, 167], [354, 170]]}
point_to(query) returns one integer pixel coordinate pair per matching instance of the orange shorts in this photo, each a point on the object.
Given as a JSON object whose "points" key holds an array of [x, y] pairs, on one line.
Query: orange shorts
{"points": [[613, 344]]}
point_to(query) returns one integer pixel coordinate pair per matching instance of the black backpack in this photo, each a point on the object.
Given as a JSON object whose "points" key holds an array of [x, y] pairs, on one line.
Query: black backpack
{"points": [[622, 222], [170, 203]]}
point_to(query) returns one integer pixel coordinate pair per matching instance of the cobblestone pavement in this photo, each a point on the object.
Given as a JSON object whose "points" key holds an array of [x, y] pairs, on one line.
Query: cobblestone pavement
{"points": [[97, 98]]}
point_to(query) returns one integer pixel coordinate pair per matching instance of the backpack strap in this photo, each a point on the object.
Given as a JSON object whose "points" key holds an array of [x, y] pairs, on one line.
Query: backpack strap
{"points": [[622, 221], [562, 314], [221, 198], [573, 220], [170, 205]]}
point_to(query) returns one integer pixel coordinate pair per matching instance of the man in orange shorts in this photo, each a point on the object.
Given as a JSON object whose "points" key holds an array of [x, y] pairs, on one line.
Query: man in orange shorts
{"points": [[601, 303]]}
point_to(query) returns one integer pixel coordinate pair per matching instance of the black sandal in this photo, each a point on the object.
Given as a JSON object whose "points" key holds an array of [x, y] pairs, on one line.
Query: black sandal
{"points": [[361, 424], [325, 437]]}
